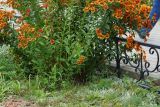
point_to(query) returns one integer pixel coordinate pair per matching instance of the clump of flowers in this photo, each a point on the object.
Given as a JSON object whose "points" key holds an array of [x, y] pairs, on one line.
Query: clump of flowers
{"points": [[130, 42], [92, 6], [129, 15], [27, 34], [5, 16], [122, 16], [101, 35], [118, 13], [120, 30]]}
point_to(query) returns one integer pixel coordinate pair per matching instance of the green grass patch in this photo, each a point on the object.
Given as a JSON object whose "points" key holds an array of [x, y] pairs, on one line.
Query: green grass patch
{"points": [[109, 92]]}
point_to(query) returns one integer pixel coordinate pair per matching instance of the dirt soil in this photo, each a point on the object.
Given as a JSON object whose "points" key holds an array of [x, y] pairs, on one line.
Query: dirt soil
{"points": [[17, 102]]}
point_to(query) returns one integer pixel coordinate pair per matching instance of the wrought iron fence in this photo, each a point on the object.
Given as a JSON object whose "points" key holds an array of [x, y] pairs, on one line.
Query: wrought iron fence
{"points": [[144, 68]]}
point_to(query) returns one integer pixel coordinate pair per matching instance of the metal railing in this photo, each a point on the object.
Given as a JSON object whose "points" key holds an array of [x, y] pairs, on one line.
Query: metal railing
{"points": [[144, 68]]}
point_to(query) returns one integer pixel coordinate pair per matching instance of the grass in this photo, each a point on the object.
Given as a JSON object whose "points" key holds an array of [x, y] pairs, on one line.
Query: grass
{"points": [[108, 92]]}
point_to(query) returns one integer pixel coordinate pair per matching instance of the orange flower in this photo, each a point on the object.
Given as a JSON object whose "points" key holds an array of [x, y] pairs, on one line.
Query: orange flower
{"points": [[100, 35], [28, 11], [27, 34], [118, 14], [52, 42], [26, 28], [145, 10], [5, 16], [2, 24], [92, 6], [137, 47], [120, 30], [23, 41], [81, 60], [40, 30], [130, 42]]}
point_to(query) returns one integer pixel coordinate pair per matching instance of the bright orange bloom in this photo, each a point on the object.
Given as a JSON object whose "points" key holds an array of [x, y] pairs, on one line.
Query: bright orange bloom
{"points": [[81, 60], [28, 11], [120, 30], [5, 16], [92, 6], [52, 42], [137, 47], [144, 10], [24, 41], [130, 42], [27, 34], [100, 35], [26, 28], [118, 14]]}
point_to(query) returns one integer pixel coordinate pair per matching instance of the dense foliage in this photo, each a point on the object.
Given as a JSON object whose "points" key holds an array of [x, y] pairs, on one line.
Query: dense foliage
{"points": [[57, 40], [121, 18], [52, 39], [49, 44]]}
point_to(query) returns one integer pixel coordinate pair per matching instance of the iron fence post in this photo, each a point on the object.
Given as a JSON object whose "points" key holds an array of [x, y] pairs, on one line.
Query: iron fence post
{"points": [[117, 59], [141, 67]]}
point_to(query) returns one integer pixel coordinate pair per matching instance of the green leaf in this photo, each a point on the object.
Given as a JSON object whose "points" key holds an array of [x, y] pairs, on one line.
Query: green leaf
{"points": [[67, 49], [2, 67], [42, 43]]}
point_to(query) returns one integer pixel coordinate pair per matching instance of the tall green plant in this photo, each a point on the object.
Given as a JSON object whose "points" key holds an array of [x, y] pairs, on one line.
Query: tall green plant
{"points": [[56, 40]]}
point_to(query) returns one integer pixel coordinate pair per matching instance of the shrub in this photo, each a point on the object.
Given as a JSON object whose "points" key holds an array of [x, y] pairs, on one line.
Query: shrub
{"points": [[122, 19], [55, 40]]}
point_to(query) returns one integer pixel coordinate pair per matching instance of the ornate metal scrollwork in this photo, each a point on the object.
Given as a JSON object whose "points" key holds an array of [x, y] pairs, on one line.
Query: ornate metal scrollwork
{"points": [[152, 51], [143, 67], [126, 59]]}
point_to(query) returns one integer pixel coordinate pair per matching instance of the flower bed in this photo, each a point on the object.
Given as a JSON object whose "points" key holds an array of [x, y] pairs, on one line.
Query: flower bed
{"points": [[65, 40]]}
